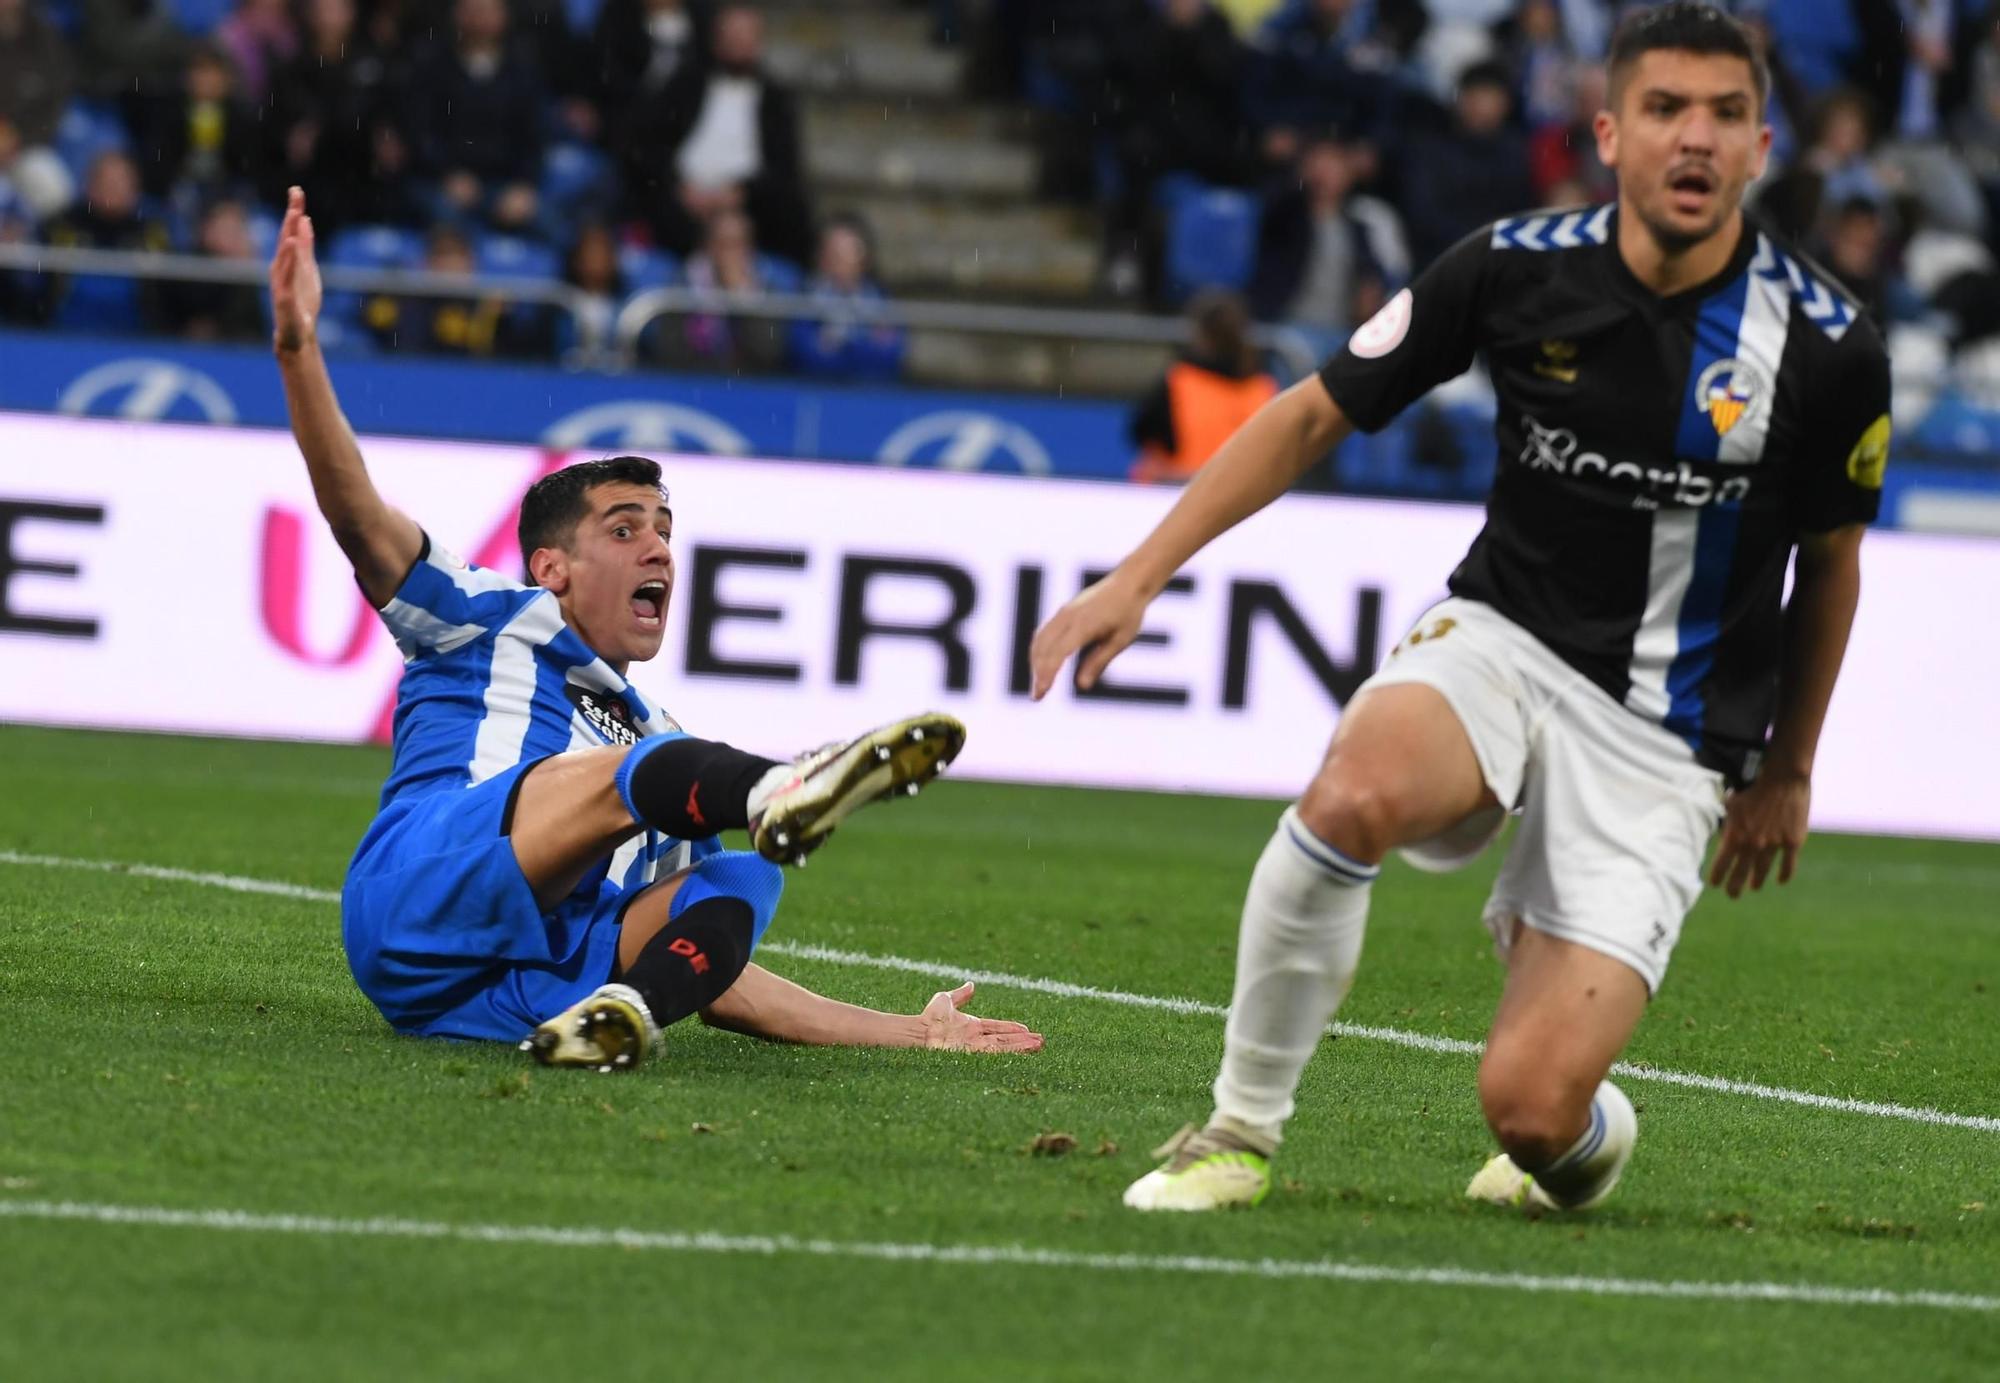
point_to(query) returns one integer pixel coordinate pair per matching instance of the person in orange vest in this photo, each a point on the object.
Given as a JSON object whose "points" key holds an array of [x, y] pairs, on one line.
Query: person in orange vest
{"points": [[1217, 383]]}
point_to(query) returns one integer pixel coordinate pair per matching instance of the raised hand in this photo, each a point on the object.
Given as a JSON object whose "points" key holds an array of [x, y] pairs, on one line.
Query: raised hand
{"points": [[295, 286], [946, 1028], [1101, 621]]}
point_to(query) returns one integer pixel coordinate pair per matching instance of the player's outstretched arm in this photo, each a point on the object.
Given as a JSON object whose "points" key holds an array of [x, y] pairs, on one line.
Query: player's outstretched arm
{"points": [[761, 1004], [381, 542], [1767, 820], [1256, 465]]}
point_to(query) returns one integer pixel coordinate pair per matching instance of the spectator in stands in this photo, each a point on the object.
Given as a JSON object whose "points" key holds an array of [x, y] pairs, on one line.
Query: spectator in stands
{"points": [[1317, 265], [1955, 275], [1457, 179], [1977, 124], [1859, 248], [720, 136], [1562, 158], [217, 311], [34, 89], [110, 217], [711, 337], [592, 267], [1835, 167], [1204, 396], [846, 339], [130, 48], [475, 120], [23, 294], [260, 37], [638, 46], [203, 140], [331, 126], [476, 324], [1175, 103], [1545, 69], [1318, 69]]}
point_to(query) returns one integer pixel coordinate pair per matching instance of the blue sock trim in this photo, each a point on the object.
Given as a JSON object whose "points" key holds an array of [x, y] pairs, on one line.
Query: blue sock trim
{"points": [[1347, 871], [742, 874], [1587, 1146], [630, 764]]}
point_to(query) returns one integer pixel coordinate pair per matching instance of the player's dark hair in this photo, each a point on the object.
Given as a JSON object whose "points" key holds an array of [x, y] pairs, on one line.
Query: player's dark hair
{"points": [[1682, 26], [560, 500]]}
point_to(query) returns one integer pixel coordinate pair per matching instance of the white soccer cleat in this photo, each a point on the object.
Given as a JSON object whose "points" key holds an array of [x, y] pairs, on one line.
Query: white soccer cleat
{"points": [[1586, 1174], [1206, 1169], [612, 1030], [796, 815]]}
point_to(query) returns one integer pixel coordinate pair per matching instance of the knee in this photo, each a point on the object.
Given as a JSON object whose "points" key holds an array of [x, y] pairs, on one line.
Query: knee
{"points": [[1533, 1113], [1356, 817], [746, 875]]}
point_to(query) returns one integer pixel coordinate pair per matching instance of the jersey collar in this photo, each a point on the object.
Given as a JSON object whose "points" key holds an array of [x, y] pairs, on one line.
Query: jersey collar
{"points": [[1629, 286]]}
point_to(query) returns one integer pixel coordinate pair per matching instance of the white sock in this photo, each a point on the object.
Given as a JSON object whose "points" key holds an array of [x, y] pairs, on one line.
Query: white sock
{"points": [[1593, 1164], [1295, 959]]}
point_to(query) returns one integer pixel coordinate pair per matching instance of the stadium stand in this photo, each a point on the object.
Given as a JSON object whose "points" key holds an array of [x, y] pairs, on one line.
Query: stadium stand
{"points": [[1117, 155]]}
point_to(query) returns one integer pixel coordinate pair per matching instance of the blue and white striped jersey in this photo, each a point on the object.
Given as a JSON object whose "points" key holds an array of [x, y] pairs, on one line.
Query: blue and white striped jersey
{"points": [[494, 677], [1659, 457]]}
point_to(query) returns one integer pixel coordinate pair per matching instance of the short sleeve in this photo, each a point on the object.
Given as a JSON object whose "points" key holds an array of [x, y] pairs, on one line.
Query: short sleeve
{"points": [[1426, 334], [1847, 448], [446, 603]]}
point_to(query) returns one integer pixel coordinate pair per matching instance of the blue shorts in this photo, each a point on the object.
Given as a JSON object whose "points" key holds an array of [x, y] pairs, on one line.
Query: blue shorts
{"points": [[444, 935]]}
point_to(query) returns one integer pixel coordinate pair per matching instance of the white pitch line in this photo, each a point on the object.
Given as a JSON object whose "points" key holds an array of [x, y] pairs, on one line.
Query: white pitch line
{"points": [[1064, 989], [990, 1255]]}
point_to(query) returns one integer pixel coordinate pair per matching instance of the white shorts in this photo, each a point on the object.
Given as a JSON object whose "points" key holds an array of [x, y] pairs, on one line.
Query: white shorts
{"points": [[1616, 815]]}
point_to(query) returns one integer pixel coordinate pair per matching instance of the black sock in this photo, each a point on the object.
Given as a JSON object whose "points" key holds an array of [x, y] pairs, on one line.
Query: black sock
{"points": [[690, 788], [694, 958]]}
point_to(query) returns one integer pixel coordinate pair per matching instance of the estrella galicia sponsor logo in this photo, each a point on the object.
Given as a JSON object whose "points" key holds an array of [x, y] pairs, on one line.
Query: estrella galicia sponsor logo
{"points": [[609, 716], [148, 390], [957, 440], [1678, 486], [643, 425]]}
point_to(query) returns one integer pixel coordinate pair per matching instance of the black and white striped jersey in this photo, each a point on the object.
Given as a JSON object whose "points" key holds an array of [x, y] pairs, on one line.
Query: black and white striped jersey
{"points": [[1659, 457]]}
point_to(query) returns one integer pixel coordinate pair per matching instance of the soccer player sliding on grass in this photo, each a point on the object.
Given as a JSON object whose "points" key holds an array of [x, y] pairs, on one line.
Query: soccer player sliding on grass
{"points": [[545, 866], [1683, 402]]}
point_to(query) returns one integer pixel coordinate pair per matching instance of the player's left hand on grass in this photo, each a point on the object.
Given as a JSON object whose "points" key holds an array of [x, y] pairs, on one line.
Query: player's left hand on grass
{"points": [[947, 1028], [1763, 822]]}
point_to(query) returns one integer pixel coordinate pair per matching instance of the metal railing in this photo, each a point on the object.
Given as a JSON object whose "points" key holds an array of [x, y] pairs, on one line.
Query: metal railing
{"points": [[642, 309]]}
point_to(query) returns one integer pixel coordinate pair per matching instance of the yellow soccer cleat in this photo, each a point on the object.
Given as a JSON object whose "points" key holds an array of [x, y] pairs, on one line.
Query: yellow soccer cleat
{"points": [[1214, 1168], [609, 1031], [795, 817]]}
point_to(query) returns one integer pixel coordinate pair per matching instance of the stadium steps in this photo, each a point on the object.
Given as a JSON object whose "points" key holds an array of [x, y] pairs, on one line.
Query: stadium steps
{"points": [[1049, 366], [937, 245], [856, 49]]}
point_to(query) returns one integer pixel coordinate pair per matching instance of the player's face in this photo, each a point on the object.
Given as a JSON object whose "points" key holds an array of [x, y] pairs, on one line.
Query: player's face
{"points": [[616, 576], [1685, 139]]}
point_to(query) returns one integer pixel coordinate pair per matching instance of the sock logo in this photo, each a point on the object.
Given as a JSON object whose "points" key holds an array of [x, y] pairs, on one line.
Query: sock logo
{"points": [[694, 807], [697, 959]]}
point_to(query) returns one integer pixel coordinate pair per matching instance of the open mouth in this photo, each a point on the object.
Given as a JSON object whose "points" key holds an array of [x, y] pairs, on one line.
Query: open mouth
{"points": [[1691, 187], [649, 604]]}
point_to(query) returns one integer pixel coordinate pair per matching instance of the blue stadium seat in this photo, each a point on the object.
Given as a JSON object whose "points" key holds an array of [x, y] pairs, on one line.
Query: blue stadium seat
{"points": [[86, 130], [582, 15], [66, 15], [575, 179], [1818, 39], [98, 302], [201, 16], [645, 267], [514, 257], [364, 247], [780, 275], [1211, 238], [263, 232]]}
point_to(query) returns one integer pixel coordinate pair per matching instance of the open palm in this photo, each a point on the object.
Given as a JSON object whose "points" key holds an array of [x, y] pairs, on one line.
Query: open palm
{"points": [[295, 286], [948, 1028]]}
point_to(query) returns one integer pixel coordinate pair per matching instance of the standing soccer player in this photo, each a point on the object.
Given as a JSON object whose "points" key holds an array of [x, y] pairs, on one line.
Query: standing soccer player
{"points": [[1683, 404], [544, 867]]}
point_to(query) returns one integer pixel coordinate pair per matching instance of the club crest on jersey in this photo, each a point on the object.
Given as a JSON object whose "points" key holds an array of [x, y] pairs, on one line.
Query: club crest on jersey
{"points": [[1729, 389], [609, 716]]}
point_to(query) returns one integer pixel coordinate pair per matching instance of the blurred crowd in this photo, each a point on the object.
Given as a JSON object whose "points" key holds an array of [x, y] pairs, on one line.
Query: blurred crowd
{"points": [[616, 144], [1316, 153]]}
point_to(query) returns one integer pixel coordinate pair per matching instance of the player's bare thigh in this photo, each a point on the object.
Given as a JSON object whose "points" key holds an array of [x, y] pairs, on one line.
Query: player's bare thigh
{"points": [[1566, 1013], [1401, 769], [568, 816]]}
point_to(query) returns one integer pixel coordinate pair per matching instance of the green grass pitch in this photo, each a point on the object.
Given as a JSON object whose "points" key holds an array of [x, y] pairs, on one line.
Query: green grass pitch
{"points": [[179, 1046]]}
